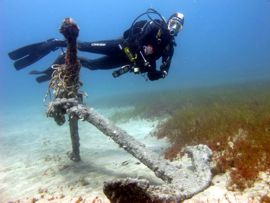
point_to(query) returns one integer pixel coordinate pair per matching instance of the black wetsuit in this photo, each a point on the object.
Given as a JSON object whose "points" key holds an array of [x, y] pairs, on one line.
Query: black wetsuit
{"points": [[152, 34], [143, 33]]}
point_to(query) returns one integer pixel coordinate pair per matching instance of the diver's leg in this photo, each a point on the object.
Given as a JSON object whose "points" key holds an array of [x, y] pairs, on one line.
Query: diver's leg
{"points": [[103, 63], [106, 47]]}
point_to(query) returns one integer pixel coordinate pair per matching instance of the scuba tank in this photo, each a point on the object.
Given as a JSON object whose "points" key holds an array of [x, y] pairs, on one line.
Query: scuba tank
{"points": [[147, 13], [133, 31]]}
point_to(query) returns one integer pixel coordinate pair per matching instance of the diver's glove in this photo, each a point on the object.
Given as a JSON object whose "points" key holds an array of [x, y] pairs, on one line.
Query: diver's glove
{"points": [[164, 73]]}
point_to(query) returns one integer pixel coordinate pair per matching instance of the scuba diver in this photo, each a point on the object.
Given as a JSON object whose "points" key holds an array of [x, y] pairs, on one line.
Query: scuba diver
{"points": [[136, 51]]}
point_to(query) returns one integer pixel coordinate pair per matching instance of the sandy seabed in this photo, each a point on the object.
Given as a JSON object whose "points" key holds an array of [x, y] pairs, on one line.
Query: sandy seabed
{"points": [[34, 165]]}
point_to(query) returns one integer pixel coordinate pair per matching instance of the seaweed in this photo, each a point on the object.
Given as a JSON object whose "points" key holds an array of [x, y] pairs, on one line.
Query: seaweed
{"points": [[233, 124], [233, 120]]}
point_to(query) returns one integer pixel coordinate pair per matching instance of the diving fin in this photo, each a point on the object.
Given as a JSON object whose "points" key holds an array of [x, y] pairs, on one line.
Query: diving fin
{"points": [[23, 51], [43, 78], [30, 54], [46, 74], [36, 72], [30, 59]]}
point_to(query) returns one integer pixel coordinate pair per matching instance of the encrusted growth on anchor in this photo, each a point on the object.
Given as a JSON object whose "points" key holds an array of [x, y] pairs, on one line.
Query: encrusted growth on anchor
{"points": [[65, 83], [65, 78]]}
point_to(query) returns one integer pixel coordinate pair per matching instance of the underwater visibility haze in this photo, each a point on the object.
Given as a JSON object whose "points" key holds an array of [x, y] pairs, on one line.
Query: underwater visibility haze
{"points": [[223, 45], [222, 41]]}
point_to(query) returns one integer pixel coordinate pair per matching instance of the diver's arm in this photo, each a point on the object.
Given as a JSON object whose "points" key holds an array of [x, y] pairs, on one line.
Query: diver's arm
{"points": [[166, 59]]}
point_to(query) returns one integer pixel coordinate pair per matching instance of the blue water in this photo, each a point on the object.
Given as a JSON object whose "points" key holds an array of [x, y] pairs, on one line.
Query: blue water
{"points": [[222, 42]]}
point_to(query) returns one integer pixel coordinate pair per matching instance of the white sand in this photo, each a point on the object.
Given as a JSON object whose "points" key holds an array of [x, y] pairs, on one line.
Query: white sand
{"points": [[34, 163], [217, 192], [34, 166]]}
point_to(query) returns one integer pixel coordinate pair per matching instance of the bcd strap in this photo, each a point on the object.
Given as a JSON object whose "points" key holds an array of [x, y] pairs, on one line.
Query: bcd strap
{"points": [[131, 57], [158, 35]]}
